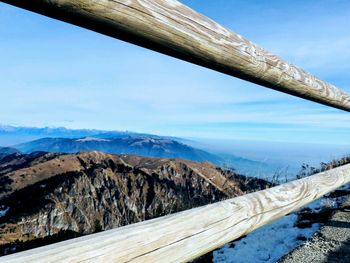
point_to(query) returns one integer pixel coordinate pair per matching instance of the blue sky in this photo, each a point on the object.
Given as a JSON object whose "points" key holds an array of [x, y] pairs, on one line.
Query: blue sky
{"points": [[56, 74]]}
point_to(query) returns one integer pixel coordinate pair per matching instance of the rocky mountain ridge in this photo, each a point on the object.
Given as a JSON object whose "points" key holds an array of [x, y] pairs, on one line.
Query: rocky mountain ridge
{"points": [[49, 194]]}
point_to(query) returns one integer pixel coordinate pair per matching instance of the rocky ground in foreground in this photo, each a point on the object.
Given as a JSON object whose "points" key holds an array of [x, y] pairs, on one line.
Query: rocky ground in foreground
{"points": [[271, 242], [49, 197], [330, 244]]}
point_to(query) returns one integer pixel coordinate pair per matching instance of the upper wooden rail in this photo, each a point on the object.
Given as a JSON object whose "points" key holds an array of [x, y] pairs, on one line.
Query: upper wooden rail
{"points": [[172, 28], [186, 235]]}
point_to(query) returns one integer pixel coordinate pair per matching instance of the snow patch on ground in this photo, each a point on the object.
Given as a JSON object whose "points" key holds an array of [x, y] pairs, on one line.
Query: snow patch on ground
{"points": [[267, 244], [271, 242]]}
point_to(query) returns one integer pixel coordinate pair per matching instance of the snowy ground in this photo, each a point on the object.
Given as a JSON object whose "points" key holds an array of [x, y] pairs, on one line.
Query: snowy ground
{"points": [[266, 244], [271, 242]]}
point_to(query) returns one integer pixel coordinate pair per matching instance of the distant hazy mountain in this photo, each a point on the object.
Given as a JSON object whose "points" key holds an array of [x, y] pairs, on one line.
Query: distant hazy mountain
{"points": [[149, 146], [246, 166], [8, 150], [10, 135], [4, 151]]}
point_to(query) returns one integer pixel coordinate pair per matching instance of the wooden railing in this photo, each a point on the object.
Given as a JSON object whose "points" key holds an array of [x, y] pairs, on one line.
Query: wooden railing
{"points": [[169, 27], [186, 235]]}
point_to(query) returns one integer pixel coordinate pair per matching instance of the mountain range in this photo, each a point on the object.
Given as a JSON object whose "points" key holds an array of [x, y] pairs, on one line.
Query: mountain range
{"points": [[149, 146], [64, 140], [11, 135]]}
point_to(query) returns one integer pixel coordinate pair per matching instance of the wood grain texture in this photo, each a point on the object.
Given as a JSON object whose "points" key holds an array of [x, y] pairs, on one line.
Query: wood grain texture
{"points": [[186, 235], [172, 28]]}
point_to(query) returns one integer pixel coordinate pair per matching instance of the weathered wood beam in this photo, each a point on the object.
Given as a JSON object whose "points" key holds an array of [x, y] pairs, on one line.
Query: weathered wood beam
{"points": [[172, 28], [186, 235]]}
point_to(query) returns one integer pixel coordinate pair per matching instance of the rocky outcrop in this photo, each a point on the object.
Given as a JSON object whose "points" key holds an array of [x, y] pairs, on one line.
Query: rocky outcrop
{"points": [[47, 194]]}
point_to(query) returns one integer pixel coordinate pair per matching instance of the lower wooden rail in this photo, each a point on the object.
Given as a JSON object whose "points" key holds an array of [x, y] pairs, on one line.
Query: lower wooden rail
{"points": [[186, 235]]}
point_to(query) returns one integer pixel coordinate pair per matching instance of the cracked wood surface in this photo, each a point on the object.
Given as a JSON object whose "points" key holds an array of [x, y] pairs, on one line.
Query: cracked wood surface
{"points": [[169, 27], [186, 235]]}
